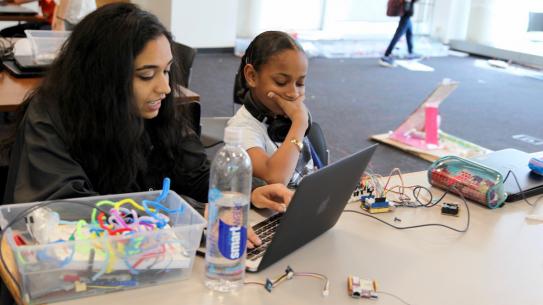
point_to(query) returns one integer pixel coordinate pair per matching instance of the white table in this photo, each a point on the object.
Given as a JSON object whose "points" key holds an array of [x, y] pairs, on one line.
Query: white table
{"points": [[498, 261]]}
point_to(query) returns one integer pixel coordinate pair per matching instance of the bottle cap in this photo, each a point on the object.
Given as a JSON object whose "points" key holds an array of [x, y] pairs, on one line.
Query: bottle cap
{"points": [[232, 135]]}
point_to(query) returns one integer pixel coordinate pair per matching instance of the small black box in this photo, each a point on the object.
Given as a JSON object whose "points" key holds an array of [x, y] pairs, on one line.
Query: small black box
{"points": [[450, 209]]}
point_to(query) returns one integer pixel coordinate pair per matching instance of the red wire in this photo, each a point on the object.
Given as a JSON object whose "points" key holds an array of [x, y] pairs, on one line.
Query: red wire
{"points": [[148, 255], [103, 226]]}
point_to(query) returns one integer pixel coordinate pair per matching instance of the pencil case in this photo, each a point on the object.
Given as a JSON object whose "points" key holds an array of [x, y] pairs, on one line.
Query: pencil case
{"points": [[474, 181]]}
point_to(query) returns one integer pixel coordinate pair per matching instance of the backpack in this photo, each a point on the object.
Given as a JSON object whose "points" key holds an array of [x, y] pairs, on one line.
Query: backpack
{"points": [[395, 8]]}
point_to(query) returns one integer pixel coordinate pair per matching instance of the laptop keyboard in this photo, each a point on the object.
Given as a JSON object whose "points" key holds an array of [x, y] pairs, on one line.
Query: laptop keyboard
{"points": [[265, 231]]}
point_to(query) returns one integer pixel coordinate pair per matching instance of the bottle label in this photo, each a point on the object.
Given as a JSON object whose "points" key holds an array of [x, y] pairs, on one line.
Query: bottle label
{"points": [[232, 240]]}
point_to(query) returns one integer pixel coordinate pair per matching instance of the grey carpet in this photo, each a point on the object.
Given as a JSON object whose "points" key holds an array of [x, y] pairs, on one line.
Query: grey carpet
{"points": [[353, 99]]}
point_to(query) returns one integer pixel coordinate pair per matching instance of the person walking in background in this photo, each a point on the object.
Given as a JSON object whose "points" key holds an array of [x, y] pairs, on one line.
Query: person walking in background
{"points": [[405, 9]]}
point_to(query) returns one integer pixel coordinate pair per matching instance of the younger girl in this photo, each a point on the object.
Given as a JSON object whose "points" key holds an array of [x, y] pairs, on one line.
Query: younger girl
{"points": [[270, 84]]}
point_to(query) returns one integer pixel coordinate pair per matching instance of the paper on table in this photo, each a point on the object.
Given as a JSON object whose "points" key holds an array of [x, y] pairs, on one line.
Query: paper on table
{"points": [[414, 65]]}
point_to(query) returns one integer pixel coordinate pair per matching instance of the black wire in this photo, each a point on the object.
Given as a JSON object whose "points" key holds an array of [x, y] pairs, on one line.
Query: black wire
{"points": [[510, 172], [214, 144], [429, 204], [23, 214]]}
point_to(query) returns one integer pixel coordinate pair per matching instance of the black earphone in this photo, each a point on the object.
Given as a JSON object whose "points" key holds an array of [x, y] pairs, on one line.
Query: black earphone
{"points": [[278, 126]]}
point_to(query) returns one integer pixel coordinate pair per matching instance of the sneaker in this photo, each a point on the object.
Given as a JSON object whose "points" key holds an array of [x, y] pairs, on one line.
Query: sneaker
{"points": [[413, 56], [387, 61]]}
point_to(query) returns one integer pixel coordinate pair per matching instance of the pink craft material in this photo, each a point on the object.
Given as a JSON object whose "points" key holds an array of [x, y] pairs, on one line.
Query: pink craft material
{"points": [[430, 126]]}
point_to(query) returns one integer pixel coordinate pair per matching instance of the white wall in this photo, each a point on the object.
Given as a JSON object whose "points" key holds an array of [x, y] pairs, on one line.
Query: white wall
{"points": [[161, 8], [450, 19], [199, 24], [496, 22], [248, 23], [256, 16], [204, 23], [343, 18], [216, 23], [355, 18]]}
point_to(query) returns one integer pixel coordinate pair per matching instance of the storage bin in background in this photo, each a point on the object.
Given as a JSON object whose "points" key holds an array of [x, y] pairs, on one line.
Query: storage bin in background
{"points": [[46, 44], [83, 267]]}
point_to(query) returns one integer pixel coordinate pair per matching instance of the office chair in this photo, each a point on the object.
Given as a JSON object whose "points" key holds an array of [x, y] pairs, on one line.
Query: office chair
{"points": [[185, 57], [316, 137]]}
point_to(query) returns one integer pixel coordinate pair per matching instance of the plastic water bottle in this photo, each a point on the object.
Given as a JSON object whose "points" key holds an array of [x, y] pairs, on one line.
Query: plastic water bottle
{"points": [[229, 196]]}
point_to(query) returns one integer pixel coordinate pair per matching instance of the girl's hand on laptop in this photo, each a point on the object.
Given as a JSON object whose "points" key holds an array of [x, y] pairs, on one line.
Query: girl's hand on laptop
{"points": [[272, 196], [252, 238]]}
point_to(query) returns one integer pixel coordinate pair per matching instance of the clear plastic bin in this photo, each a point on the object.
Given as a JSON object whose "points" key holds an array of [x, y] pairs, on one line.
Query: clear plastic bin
{"points": [[83, 267], [46, 44], [475, 181]]}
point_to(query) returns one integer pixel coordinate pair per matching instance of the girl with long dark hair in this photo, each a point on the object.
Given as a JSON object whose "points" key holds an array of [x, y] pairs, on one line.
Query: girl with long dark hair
{"points": [[104, 119]]}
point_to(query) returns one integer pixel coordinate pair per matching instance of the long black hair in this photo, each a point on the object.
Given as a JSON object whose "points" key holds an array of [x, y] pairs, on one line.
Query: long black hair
{"points": [[90, 83], [259, 51]]}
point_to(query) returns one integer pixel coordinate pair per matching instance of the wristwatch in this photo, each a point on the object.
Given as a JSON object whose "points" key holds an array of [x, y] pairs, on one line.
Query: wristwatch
{"points": [[299, 144]]}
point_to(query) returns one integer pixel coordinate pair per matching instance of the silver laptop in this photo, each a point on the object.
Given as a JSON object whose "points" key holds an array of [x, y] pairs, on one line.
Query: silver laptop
{"points": [[516, 161], [315, 207]]}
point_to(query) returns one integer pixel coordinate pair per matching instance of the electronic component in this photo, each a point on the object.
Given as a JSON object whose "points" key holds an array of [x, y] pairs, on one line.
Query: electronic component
{"points": [[355, 196], [361, 192], [361, 288], [450, 209], [79, 286], [268, 285], [365, 198], [376, 205], [289, 275]]}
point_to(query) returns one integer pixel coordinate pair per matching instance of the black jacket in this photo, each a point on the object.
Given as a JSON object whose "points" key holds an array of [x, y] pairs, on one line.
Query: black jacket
{"points": [[41, 167]]}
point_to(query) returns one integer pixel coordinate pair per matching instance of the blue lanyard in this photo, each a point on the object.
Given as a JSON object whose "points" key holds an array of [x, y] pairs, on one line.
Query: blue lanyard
{"points": [[316, 160]]}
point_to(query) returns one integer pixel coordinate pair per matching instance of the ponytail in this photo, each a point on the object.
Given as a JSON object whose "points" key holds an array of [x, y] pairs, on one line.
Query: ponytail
{"points": [[240, 83]]}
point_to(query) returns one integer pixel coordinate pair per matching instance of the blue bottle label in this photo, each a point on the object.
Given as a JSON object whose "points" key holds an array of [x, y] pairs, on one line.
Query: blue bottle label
{"points": [[232, 240]]}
